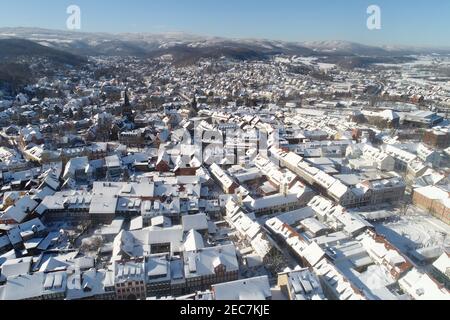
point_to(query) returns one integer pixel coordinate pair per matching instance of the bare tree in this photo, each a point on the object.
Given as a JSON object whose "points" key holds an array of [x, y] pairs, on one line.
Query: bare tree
{"points": [[92, 244]]}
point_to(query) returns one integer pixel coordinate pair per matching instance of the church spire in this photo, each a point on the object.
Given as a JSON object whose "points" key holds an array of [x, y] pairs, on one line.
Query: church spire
{"points": [[194, 105], [127, 111], [126, 99]]}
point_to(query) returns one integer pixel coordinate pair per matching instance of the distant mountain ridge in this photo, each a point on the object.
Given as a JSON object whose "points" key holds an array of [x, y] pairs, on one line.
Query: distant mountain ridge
{"points": [[347, 47], [171, 39], [14, 48], [188, 48], [144, 44]]}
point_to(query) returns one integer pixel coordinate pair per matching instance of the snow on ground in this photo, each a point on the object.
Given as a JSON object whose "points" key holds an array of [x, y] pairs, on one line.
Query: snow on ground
{"points": [[326, 66], [309, 61], [415, 231]]}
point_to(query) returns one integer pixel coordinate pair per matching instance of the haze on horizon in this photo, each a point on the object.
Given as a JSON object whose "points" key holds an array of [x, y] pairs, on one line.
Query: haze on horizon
{"points": [[421, 24]]}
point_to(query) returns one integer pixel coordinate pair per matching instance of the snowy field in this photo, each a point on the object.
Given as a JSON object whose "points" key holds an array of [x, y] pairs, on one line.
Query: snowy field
{"points": [[414, 231]]}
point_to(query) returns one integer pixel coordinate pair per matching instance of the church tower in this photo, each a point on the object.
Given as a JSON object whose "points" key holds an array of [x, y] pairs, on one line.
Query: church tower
{"points": [[127, 111], [194, 107]]}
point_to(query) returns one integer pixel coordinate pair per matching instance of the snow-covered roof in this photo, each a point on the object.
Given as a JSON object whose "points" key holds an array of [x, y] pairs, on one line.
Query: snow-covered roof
{"points": [[337, 282], [20, 210], [257, 288], [432, 192], [195, 222], [35, 286], [205, 261], [304, 285], [443, 264], [420, 286], [85, 285], [194, 241]]}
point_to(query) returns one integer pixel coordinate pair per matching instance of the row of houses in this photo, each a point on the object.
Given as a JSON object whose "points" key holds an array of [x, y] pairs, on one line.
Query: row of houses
{"points": [[369, 192]]}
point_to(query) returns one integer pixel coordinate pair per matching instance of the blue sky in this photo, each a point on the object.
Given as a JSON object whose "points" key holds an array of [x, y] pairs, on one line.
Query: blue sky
{"points": [[404, 22]]}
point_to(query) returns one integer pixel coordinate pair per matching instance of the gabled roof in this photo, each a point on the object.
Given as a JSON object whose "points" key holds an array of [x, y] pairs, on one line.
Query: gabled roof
{"points": [[194, 241], [20, 210], [204, 261]]}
